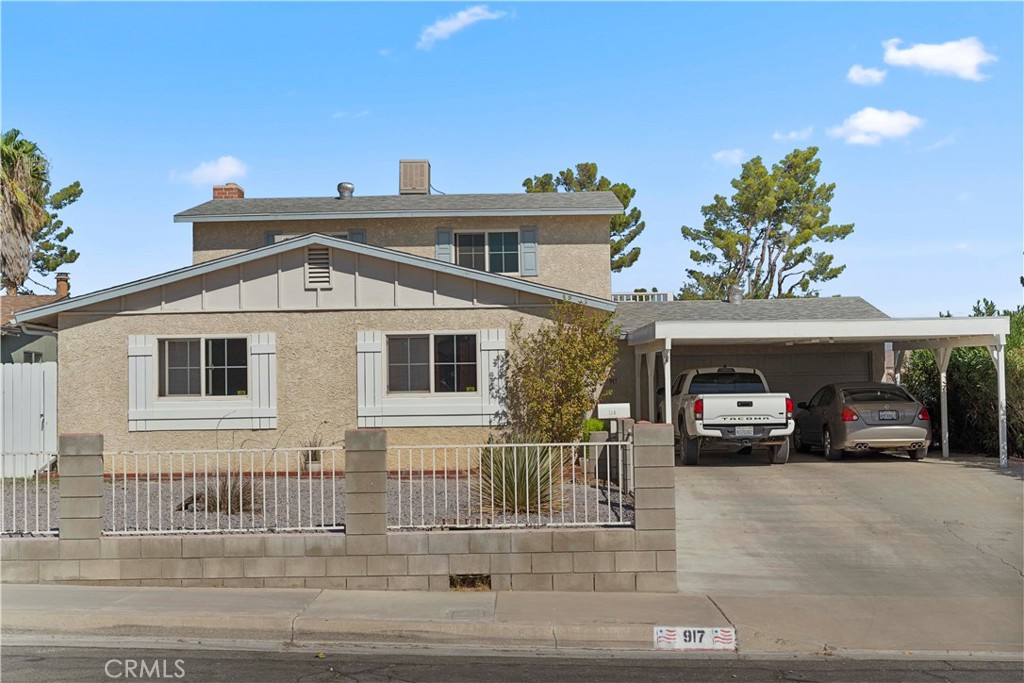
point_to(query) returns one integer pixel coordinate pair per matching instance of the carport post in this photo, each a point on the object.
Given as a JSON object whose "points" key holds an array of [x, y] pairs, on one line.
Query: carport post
{"points": [[667, 365], [942, 360], [636, 381], [998, 353], [650, 385]]}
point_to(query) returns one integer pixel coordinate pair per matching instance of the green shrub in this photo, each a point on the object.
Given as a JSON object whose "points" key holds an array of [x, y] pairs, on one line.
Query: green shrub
{"points": [[520, 478], [972, 393], [592, 425]]}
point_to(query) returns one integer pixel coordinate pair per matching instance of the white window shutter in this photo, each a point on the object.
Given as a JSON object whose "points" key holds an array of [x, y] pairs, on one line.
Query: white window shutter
{"points": [[492, 351], [369, 378], [263, 383], [141, 377]]}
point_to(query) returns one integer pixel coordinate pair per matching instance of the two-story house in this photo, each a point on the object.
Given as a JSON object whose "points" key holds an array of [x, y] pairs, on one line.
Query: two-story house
{"points": [[320, 314]]}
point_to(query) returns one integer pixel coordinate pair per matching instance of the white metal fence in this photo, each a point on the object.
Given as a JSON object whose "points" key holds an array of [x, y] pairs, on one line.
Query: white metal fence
{"points": [[511, 485], [640, 296], [29, 495], [216, 491]]}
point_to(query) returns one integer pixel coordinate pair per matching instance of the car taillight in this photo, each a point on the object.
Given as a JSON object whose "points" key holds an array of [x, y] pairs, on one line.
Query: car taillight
{"points": [[923, 415], [847, 415], [698, 409], [789, 408]]}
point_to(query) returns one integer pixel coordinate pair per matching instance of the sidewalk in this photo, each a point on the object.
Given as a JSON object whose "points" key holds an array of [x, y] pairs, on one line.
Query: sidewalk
{"points": [[789, 626]]}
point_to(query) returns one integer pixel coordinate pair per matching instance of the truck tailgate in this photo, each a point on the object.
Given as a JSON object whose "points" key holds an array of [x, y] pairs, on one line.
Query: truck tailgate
{"points": [[744, 409]]}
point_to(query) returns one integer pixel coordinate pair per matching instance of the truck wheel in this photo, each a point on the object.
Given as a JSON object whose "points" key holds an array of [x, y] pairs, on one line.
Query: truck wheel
{"points": [[690, 448], [918, 453], [780, 453], [826, 446], [799, 443]]}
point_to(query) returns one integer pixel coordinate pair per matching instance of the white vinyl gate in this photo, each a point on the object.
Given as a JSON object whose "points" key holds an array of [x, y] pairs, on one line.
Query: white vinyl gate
{"points": [[28, 432]]}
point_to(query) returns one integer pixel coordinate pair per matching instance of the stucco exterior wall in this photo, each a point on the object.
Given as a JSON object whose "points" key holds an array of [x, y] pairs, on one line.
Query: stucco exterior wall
{"points": [[316, 372], [572, 251], [14, 347]]}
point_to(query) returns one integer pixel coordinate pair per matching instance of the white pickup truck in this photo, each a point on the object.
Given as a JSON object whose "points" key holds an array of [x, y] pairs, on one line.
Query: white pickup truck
{"points": [[731, 409]]}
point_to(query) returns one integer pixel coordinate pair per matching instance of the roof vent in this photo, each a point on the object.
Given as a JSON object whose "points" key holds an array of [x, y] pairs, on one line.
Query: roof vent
{"points": [[735, 295], [345, 190], [318, 267], [413, 176]]}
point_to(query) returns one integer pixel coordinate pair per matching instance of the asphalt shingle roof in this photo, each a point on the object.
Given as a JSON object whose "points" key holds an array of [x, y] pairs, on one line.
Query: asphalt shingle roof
{"points": [[11, 305], [634, 315], [437, 204]]}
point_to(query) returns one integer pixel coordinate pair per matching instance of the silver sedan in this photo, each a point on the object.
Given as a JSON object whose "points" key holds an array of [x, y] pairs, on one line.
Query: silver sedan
{"points": [[862, 416]]}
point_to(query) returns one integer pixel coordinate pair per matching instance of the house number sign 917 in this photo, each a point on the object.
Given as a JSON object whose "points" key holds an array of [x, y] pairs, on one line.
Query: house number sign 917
{"points": [[694, 638]]}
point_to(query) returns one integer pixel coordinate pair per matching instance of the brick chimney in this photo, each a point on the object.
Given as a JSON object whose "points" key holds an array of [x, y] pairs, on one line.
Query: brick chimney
{"points": [[228, 191], [63, 285]]}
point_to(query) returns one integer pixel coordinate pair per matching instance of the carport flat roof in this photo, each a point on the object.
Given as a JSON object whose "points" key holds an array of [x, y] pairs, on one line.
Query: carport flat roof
{"points": [[904, 333]]}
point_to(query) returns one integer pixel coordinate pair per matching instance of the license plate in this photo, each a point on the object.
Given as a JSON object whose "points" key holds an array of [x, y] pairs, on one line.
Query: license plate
{"points": [[744, 431], [888, 414]]}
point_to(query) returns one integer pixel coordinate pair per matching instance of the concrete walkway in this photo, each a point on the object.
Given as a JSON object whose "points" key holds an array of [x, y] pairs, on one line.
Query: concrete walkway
{"points": [[611, 621]]}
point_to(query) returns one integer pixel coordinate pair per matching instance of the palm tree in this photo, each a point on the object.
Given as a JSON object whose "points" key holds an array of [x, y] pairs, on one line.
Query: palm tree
{"points": [[23, 185]]}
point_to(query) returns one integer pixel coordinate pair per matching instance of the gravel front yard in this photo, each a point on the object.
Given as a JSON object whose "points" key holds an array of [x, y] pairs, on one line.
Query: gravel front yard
{"points": [[309, 504]]}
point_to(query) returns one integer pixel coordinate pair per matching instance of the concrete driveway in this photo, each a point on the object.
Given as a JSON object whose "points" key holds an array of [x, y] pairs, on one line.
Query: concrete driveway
{"points": [[874, 552]]}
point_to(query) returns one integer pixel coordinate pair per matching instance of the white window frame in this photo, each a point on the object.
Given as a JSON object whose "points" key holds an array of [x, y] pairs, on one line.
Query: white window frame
{"points": [[148, 412], [487, 249], [31, 357], [430, 341], [202, 367]]}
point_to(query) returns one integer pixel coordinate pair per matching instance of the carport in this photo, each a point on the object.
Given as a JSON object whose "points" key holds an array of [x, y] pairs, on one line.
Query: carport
{"points": [[793, 329]]}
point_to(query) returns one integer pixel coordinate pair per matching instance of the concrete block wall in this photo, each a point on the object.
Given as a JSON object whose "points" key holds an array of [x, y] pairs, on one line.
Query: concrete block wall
{"points": [[367, 556]]}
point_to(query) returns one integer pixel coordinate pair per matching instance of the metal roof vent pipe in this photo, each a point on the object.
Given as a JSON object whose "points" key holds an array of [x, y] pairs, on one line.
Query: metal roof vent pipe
{"points": [[735, 295], [345, 190]]}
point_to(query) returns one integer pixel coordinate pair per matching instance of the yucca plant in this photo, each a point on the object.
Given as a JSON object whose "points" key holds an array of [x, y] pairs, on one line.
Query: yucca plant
{"points": [[522, 476]]}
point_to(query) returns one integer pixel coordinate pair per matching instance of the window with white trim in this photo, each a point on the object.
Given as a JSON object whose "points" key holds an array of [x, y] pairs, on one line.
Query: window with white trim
{"points": [[432, 363], [493, 252], [201, 367], [32, 356]]}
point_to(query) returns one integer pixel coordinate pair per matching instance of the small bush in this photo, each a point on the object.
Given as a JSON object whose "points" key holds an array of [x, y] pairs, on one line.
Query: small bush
{"points": [[520, 478], [592, 425], [233, 497]]}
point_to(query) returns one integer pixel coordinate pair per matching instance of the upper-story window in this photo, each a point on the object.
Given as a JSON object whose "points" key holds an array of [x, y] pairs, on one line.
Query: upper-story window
{"points": [[494, 252]]}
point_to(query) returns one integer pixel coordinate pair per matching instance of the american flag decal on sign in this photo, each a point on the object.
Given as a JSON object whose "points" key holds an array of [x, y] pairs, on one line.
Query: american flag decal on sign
{"points": [[694, 638]]}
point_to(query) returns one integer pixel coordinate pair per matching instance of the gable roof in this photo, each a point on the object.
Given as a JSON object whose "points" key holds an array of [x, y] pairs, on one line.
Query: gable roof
{"points": [[634, 315], [405, 206], [10, 305], [169, 277]]}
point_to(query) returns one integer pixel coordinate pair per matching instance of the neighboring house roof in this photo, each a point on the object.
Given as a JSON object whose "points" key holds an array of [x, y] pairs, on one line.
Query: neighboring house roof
{"points": [[10, 305], [634, 315], [45, 312], [405, 206]]}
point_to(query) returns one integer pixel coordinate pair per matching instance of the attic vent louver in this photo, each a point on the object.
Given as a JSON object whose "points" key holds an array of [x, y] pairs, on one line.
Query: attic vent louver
{"points": [[318, 268]]}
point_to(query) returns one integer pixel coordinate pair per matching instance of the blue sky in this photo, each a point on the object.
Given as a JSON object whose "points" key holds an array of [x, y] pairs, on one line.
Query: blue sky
{"points": [[133, 99]]}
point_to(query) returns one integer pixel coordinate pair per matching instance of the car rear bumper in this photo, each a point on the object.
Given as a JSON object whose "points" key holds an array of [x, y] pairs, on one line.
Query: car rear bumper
{"points": [[882, 437]]}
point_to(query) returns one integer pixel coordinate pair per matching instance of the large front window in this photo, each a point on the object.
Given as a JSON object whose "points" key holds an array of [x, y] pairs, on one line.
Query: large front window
{"points": [[204, 367], [494, 252], [439, 363]]}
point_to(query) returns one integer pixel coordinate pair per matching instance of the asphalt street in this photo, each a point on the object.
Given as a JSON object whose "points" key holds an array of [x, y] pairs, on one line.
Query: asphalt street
{"points": [[84, 665]]}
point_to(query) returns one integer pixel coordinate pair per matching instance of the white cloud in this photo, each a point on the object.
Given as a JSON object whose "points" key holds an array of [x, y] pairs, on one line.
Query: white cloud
{"points": [[385, 52], [728, 157], [213, 172], [801, 134], [870, 126], [865, 75], [960, 58], [443, 29], [350, 114]]}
